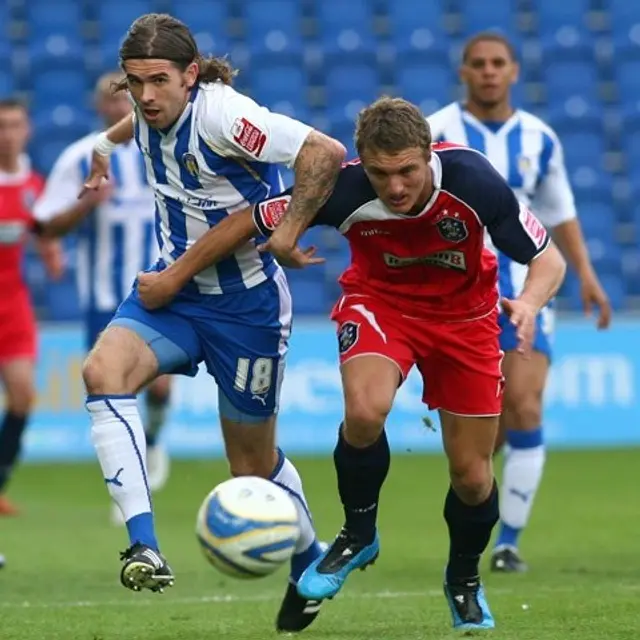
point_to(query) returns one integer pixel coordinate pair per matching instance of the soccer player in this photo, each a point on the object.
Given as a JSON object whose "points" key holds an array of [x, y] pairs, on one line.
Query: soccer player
{"points": [[209, 152], [421, 290], [19, 188], [528, 155], [116, 241]]}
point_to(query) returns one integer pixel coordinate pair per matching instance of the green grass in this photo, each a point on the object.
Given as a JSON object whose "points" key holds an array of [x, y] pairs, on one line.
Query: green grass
{"points": [[61, 578]]}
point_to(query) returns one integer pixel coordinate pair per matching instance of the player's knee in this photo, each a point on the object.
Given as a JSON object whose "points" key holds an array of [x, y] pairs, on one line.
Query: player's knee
{"points": [[365, 416], [100, 378], [21, 398], [472, 479], [525, 412]]}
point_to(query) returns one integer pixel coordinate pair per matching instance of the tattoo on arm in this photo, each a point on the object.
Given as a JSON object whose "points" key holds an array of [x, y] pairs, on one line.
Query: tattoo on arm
{"points": [[316, 171]]}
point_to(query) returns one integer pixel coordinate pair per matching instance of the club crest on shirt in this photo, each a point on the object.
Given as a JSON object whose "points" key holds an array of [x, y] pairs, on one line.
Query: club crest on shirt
{"points": [[452, 229], [348, 336], [524, 165], [191, 164]]}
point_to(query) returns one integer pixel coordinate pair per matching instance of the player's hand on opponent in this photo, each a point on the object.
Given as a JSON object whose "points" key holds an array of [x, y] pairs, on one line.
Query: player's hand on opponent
{"points": [[157, 288], [295, 258], [592, 293], [98, 174], [523, 316]]}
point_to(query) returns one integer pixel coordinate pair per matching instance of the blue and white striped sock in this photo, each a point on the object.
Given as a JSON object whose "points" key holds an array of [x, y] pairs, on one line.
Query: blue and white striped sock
{"points": [[118, 436], [307, 549], [523, 467]]}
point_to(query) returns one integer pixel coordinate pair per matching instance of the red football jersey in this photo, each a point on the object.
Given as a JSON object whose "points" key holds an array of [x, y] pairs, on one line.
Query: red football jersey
{"points": [[432, 264], [18, 193]]}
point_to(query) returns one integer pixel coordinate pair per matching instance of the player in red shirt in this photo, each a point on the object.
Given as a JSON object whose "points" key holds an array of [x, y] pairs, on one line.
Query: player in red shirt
{"points": [[19, 188], [421, 290]]}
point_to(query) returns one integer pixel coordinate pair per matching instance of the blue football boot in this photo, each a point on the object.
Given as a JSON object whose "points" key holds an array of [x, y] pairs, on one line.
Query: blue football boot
{"points": [[468, 605], [325, 576]]}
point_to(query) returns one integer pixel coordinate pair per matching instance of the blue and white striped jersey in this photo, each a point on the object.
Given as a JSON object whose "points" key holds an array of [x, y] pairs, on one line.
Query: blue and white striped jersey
{"points": [[218, 158], [117, 240], [528, 155]]}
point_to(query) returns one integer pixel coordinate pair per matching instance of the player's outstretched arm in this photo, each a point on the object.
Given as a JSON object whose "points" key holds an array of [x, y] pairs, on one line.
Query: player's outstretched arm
{"points": [[106, 142], [316, 169]]}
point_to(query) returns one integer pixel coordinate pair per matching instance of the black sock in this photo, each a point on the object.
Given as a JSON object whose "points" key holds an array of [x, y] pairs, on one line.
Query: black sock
{"points": [[361, 474], [469, 532], [156, 406], [10, 439]]}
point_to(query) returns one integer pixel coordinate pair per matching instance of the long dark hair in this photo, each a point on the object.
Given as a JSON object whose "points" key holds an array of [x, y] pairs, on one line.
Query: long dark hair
{"points": [[161, 36]]}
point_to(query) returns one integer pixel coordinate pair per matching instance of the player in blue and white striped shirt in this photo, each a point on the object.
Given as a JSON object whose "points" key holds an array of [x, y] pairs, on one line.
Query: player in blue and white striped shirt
{"points": [[209, 152], [116, 240], [528, 154]]}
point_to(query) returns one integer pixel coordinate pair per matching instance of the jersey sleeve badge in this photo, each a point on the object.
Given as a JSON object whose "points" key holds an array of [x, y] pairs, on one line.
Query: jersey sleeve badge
{"points": [[272, 211], [249, 136]]}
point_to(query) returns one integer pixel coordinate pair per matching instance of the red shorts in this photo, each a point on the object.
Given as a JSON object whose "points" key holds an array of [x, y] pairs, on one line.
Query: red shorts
{"points": [[18, 331], [460, 362]]}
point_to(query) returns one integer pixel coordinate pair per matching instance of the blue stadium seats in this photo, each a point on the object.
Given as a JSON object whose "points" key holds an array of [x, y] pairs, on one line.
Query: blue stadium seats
{"points": [[627, 76], [567, 79], [45, 18], [208, 21], [273, 26], [496, 15], [282, 88], [56, 48], [116, 16], [349, 87], [423, 30], [553, 15], [346, 28], [426, 85]]}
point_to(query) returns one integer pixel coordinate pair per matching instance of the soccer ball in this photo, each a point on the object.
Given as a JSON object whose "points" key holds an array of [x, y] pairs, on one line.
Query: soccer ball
{"points": [[247, 527]]}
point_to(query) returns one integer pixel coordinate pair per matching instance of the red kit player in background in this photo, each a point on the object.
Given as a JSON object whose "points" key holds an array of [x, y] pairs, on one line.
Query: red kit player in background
{"points": [[19, 188]]}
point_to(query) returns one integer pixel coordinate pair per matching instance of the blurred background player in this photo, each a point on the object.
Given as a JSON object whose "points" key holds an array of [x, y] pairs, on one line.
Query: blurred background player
{"points": [[528, 154], [19, 188], [116, 242]]}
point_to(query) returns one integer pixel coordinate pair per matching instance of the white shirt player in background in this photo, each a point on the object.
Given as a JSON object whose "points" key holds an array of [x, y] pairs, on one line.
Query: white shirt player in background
{"points": [[116, 240], [209, 152], [528, 154]]}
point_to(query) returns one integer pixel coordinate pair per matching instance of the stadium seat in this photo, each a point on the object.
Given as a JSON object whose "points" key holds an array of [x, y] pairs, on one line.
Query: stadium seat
{"points": [[553, 15], [598, 221], [208, 21], [62, 17], [7, 84], [116, 16], [346, 28], [426, 85], [62, 300], [423, 30], [497, 15], [273, 26], [565, 80], [349, 87], [627, 77], [583, 148], [282, 88]]}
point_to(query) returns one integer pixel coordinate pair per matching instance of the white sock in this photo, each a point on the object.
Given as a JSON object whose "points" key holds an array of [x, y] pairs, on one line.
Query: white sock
{"points": [[522, 474], [286, 476], [118, 437]]}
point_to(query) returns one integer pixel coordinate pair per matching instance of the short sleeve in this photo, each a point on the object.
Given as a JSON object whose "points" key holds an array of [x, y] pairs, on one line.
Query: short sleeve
{"points": [[237, 126]]}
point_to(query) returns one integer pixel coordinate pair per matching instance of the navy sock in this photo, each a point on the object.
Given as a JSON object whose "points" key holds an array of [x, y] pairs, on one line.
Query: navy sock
{"points": [[156, 406], [361, 474], [10, 444], [470, 530]]}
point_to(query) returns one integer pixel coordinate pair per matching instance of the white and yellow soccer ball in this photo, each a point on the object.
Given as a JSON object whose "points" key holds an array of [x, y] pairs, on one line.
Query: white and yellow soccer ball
{"points": [[247, 527]]}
